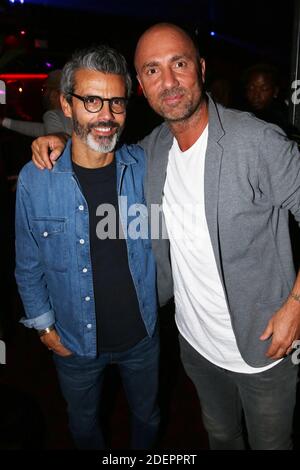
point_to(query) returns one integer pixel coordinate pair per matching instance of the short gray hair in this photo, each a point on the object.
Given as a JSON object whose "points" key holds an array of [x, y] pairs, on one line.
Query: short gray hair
{"points": [[101, 58]]}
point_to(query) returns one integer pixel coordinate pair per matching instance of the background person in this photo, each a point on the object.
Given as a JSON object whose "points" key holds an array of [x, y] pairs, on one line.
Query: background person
{"points": [[54, 120]]}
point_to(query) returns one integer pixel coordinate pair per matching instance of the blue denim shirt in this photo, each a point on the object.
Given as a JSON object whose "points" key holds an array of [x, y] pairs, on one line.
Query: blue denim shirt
{"points": [[53, 262]]}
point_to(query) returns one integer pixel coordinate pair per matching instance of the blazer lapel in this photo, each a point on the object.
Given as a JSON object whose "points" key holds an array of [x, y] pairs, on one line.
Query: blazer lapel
{"points": [[157, 167], [213, 160]]}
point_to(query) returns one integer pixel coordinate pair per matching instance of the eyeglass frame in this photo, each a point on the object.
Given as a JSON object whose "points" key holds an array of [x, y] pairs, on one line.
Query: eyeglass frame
{"points": [[85, 98]]}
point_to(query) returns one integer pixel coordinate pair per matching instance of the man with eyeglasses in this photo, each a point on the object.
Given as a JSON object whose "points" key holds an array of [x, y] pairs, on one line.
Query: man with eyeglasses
{"points": [[86, 281]]}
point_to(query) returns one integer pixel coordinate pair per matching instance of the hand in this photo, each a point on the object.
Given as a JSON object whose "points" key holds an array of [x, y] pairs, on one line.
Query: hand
{"points": [[52, 341], [284, 327], [40, 150]]}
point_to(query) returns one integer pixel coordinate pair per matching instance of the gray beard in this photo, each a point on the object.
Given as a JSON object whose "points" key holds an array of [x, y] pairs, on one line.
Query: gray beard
{"points": [[100, 145]]}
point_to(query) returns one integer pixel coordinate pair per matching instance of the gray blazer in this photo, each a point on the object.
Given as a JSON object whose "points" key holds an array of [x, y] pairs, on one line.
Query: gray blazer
{"points": [[252, 181]]}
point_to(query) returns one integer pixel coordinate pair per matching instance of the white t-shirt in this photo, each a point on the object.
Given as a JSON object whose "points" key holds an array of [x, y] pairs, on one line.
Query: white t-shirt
{"points": [[202, 315]]}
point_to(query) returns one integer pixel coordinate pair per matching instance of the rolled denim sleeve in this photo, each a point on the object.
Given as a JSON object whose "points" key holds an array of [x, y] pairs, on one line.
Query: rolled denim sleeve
{"points": [[29, 271], [41, 322]]}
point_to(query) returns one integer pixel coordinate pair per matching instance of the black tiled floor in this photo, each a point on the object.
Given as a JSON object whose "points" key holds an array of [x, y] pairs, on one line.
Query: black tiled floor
{"points": [[33, 412], [29, 370]]}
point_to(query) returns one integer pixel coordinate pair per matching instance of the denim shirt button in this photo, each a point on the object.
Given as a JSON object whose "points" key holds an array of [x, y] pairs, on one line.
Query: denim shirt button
{"points": [[89, 326], [87, 298], [81, 208], [45, 234], [81, 241], [84, 270]]}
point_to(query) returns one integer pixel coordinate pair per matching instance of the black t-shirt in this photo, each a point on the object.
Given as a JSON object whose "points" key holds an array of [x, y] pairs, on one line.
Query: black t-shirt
{"points": [[119, 322]]}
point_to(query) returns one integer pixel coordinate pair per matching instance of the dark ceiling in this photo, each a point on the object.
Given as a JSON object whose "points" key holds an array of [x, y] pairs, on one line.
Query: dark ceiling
{"points": [[246, 31], [252, 18]]}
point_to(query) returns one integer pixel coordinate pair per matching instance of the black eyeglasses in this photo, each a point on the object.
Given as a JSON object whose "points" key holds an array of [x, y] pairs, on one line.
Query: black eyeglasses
{"points": [[94, 104]]}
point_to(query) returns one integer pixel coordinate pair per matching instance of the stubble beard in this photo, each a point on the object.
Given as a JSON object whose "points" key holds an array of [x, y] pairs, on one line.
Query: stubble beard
{"points": [[179, 113]]}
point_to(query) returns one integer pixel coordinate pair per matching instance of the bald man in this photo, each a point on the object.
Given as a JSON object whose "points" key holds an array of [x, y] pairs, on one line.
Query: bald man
{"points": [[226, 182]]}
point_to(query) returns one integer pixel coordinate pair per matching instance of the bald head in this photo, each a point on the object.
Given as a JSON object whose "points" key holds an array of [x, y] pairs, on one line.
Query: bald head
{"points": [[156, 35]]}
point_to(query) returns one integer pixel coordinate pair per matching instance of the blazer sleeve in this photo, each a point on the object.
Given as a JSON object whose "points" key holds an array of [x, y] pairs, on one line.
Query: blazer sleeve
{"points": [[279, 170]]}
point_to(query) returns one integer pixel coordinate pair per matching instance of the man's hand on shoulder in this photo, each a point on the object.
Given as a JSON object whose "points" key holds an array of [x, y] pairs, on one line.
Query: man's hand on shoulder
{"points": [[47, 149]]}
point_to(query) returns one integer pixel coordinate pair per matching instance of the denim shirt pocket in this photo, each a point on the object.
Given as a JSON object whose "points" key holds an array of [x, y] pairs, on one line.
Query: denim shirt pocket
{"points": [[51, 237]]}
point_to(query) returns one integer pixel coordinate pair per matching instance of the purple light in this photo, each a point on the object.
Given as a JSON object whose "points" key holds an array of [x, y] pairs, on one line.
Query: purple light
{"points": [[48, 65], [212, 33]]}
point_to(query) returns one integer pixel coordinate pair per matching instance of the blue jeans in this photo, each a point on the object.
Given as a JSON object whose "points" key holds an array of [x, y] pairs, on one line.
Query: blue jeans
{"points": [[81, 381], [265, 400]]}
